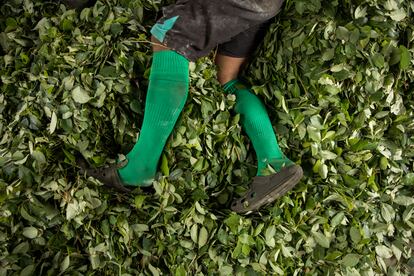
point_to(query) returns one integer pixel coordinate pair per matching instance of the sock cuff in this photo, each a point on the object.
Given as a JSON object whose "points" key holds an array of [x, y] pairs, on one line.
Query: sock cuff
{"points": [[228, 86], [169, 63], [233, 86]]}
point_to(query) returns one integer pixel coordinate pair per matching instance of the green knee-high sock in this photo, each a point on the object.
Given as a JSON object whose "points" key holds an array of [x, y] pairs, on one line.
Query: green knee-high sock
{"points": [[167, 93], [256, 123]]}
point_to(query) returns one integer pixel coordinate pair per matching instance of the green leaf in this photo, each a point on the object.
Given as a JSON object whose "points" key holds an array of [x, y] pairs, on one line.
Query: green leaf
{"points": [[342, 33], [39, 157], [53, 123], [383, 251], [28, 270], [139, 201], [270, 236], [355, 235], [378, 60], [116, 28], [65, 264], [72, 210], [405, 58], [387, 212], [321, 239], [300, 7], [333, 255], [21, 248], [398, 15], [297, 41], [226, 270], [233, 222], [164, 165], [199, 208], [337, 219], [404, 200], [328, 54], [109, 71], [202, 237], [67, 25], [360, 12], [194, 233], [154, 271], [140, 227], [327, 155], [323, 171], [351, 260], [30, 232], [180, 271], [314, 133], [11, 24], [409, 179], [79, 95]]}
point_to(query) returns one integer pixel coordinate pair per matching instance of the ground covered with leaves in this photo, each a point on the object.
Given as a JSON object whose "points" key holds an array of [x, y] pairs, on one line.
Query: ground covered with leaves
{"points": [[337, 78]]}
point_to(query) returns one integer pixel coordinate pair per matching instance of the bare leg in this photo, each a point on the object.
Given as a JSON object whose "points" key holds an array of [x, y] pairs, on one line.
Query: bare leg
{"points": [[228, 68], [157, 45]]}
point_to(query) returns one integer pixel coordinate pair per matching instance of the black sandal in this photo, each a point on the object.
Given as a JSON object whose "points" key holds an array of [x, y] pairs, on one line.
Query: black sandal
{"points": [[266, 189], [107, 175]]}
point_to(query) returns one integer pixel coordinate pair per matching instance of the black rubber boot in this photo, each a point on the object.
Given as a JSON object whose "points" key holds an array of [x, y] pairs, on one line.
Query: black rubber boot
{"points": [[107, 175], [266, 189]]}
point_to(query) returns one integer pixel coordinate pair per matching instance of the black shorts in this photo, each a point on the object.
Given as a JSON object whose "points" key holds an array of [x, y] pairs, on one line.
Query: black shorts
{"points": [[194, 27]]}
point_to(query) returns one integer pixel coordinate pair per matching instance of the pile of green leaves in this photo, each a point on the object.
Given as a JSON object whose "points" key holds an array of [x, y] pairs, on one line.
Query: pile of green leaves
{"points": [[338, 80]]}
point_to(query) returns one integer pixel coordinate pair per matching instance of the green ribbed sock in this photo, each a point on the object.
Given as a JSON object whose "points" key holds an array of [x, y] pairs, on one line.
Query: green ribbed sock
{"points": [[167, 93], [256, 123]]}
